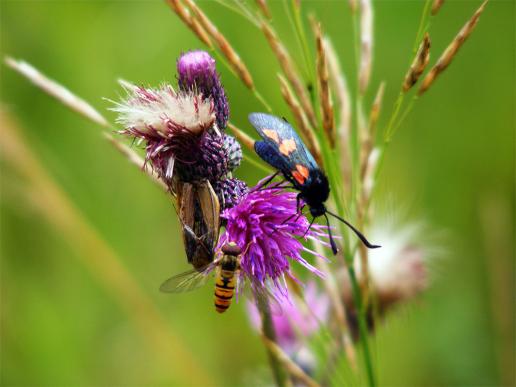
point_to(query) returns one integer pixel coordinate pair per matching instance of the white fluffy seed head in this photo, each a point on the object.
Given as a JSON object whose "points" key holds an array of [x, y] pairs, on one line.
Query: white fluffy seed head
{"points": [[398, 269], [158, 109]]}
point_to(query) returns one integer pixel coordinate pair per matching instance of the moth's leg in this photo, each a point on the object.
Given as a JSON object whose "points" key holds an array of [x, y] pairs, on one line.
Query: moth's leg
{"points": [[264, 184]]}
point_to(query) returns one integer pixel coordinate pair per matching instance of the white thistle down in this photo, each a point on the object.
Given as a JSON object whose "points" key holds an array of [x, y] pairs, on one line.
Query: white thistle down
{"points": [[157, 109], [399, 271]]}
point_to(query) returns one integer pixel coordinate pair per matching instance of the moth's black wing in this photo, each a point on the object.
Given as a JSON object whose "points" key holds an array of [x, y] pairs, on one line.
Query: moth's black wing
{"points": [[271, 156], [281, 146]]}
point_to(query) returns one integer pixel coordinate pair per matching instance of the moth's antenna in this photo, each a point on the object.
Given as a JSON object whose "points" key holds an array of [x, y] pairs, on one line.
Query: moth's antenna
{"points": [[332, 242], [358, 233]]}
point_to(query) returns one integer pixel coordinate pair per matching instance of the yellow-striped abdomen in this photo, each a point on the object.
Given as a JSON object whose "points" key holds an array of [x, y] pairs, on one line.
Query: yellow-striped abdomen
{"points": [[224, 289]]}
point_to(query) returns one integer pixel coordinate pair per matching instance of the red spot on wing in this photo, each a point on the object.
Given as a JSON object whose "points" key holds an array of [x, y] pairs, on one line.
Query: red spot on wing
{"points": [[287, 146], [301, 173], [272, 134]]}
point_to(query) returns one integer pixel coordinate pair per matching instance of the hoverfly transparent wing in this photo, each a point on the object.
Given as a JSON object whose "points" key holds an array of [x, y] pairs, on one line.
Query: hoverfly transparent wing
{"points": [[188, 281], [210, 207]]}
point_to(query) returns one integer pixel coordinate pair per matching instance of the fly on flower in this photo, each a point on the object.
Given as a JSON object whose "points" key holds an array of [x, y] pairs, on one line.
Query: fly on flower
{"points": [[199, 213], [228, 280], [283, 149]]}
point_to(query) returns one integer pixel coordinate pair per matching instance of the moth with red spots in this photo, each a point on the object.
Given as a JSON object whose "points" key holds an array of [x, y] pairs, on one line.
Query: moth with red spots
{"points": [[282, 148]]}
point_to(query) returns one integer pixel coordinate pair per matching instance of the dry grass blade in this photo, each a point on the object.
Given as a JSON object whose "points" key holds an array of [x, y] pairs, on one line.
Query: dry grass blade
{"points": [[324, 88], [56, 90], [368, 139], [369, 177], [288, 68], [241, 136], [83, 108], [366, 44], [340, 87], [190, 22], [225, 47], [301, 120], [97, 256], [436, 6], [136, 160], [352, 5], [419, 64], [375, 109], [264, 8], [450, 52], [293, 369]]}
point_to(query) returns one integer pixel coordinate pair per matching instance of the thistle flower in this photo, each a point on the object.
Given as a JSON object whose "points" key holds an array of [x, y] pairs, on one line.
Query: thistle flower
{"points": [[296, 324], [266, 225], [172, 124], [196, 71]]}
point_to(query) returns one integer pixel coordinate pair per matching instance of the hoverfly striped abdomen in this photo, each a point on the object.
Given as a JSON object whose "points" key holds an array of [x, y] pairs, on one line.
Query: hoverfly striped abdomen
{"points": [[226, 277]]}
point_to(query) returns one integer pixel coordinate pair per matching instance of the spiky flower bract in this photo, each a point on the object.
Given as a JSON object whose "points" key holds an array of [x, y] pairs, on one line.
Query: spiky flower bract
{"points": [[266, 226], [230, 192], [196, 71]]}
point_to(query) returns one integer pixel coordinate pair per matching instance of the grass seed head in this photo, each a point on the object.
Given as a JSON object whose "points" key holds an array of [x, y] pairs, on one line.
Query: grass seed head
{"points": [[366, 44], [301, 120], [436, 6], [418, 65], [225, 47], [288, 68], [444, 61], [324, 89]]}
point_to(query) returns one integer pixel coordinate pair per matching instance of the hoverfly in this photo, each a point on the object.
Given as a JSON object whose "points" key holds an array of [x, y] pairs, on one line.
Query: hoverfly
{"points": [[228, 280], [282, 148], [199, 212]]}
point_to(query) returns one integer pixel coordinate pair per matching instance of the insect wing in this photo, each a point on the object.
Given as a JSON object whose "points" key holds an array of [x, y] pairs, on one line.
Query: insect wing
{"points": [[199, 212], [187, 281], [282, 148], [210, 209]]}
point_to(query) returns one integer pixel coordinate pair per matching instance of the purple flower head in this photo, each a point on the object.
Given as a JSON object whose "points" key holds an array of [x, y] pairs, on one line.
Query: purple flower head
{"points": [[171, 124], [296, 320], [266, 226], [196, 71]]}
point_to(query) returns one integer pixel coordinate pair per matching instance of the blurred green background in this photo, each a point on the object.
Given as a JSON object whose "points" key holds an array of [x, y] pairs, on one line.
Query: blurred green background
{"points": [[451, 164]]}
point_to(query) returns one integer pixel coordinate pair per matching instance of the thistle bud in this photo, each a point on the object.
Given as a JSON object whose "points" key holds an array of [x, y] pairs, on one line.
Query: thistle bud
{"points": [[210, 161], [230, 192], [196, 71]]}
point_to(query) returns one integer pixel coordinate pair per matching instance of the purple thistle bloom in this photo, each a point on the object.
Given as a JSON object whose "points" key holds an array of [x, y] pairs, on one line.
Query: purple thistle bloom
{"points": [[266, 227], [196, 71]]}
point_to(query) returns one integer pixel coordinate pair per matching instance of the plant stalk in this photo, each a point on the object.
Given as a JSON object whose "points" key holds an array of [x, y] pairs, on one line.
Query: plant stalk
{"points": [[279, 374]]}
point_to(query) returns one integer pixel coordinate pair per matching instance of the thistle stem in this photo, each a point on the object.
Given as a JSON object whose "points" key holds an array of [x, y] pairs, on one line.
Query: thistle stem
{"points": [[269, 332]]}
